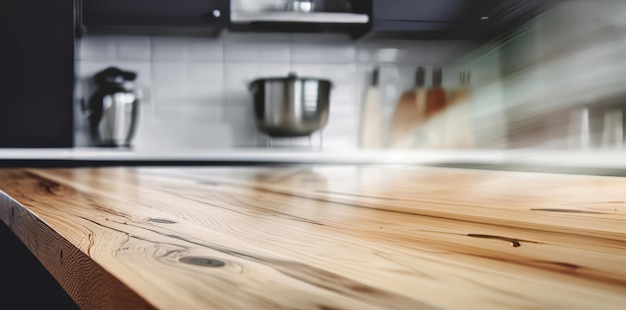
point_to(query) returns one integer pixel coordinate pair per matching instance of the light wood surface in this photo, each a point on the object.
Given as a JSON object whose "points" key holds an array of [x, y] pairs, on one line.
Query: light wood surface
{"points": [[323, 237]]}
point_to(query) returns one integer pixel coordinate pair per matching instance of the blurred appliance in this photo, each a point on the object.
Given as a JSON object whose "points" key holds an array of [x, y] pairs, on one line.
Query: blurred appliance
{"points": [[299, 11], [290, 106], [301, 5], [312, 142], [596, 127], [589, 126], [114, 107]]}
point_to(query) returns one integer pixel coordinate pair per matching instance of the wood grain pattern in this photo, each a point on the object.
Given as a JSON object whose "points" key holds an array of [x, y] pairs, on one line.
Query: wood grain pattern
{"points": [[324, 237]]}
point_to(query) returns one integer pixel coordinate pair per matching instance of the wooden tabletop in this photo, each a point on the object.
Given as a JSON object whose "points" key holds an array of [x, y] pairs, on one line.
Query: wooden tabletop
{"points": [[323, 237]]}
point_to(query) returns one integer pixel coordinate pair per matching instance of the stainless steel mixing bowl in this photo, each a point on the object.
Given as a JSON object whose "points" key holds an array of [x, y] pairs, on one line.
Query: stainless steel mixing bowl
{"points": [[290, 106]]}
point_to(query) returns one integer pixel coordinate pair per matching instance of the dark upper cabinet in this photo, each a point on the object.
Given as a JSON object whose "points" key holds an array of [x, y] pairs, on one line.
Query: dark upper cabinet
{"points": [[36, 73], [453, 18], [149, 16]]}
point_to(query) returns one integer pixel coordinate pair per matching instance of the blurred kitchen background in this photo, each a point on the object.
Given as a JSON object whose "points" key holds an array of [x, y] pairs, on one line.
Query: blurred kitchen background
{"points": [[540, 75]]}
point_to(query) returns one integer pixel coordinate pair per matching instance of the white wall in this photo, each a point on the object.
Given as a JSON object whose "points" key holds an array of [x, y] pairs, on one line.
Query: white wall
{"points": [[199, 85]]}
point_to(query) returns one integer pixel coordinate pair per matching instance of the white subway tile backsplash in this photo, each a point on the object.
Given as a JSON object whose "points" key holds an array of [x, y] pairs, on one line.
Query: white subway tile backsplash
{"points": [[321, 48], [188, 112], [168, 82], [236, 78], [448, 52], [333, 72], [272, 70], [199, 83], [205, 50], [242, 124], [97, 48], [257, 48], [205, 83], [182, 49], [133, 48], [341, 132], [169, 49], [199, 86], [393, 52]]}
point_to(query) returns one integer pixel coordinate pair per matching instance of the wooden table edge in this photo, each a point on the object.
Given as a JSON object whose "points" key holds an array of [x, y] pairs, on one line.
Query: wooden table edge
{"points": [[84, 280]]}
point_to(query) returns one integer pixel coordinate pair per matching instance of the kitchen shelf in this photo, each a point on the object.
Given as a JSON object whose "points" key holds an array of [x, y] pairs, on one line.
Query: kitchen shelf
{"points": [[241, 17]]}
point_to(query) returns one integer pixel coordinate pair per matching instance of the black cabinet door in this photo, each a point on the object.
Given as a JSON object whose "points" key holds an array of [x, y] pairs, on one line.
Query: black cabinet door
{"points": [[467, 18], [160, 13], [428, 15], [419, 10], [36, 73]]}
